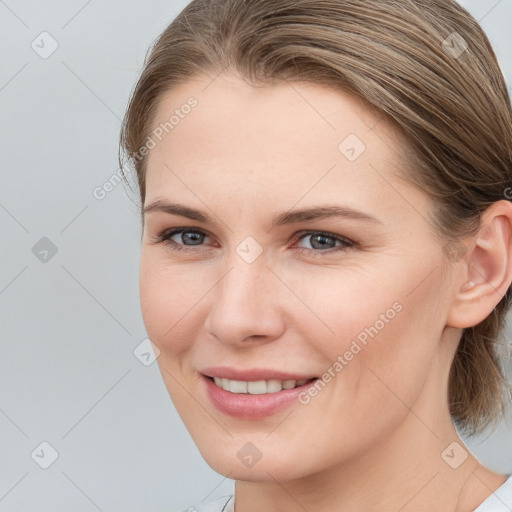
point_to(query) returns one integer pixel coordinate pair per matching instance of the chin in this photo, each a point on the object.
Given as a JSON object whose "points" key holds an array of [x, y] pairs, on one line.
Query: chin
{"points": [[275, 466], [260, 472]]}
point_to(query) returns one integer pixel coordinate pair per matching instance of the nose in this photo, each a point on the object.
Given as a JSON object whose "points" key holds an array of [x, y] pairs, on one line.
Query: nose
{"points": [[246, 304]]}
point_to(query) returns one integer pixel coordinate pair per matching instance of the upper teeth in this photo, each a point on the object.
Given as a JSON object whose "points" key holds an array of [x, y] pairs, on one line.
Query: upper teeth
{"points": [[258, 387]]}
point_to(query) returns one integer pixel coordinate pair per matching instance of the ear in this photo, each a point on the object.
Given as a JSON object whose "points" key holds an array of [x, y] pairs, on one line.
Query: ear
{"points": [[487, 273]]}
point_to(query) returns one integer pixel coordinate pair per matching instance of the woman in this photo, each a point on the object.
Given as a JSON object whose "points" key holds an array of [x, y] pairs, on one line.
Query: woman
{"points": [[326, 250]]}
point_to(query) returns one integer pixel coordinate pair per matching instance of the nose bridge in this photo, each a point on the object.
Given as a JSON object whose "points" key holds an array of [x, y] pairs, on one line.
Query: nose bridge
{"points": [[245, 301]]}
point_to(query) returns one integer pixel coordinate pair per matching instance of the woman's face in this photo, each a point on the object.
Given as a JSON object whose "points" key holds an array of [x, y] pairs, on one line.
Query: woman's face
{"points": [[356, 296]]}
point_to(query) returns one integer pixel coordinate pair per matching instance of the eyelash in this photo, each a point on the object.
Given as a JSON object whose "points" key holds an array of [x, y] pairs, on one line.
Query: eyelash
{"points": [[165, 238]]}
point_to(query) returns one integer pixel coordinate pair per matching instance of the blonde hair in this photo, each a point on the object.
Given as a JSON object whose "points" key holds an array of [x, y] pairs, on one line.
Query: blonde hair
{"points": [[424, 64]]}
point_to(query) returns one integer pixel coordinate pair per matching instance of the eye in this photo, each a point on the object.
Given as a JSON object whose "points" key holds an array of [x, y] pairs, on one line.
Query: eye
{"points": [[322, 242], [182, 238]]}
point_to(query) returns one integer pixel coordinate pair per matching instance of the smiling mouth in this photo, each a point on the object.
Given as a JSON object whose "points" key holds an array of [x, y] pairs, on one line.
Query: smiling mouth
{"points": [[258, 387]]}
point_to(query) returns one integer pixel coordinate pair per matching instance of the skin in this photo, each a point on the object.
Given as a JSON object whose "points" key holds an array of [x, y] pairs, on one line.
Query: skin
{"points": [[372, 439]]}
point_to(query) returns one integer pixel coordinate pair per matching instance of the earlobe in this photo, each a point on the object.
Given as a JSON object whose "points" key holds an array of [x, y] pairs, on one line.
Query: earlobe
{"points": [[488, 271]]}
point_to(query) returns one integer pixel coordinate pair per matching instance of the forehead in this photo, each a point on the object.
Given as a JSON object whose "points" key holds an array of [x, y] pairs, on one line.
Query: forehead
{"points": [[228, 105], [304, 139]]}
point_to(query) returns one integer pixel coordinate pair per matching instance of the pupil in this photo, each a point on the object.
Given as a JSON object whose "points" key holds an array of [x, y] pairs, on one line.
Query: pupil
{"points": [[320, 237], [195, 238]]}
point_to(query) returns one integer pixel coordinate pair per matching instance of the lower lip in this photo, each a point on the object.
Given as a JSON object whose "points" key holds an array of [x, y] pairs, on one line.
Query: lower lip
{"points": [[252, 407]]}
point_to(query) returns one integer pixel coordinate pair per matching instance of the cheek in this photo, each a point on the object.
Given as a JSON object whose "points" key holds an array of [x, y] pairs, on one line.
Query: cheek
{"points": [[379, 338], [170, 302], [344, 305], [170, 299]]}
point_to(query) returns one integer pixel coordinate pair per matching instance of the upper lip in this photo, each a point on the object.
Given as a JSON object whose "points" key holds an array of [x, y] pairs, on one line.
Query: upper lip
{"points": [[253, 374]]}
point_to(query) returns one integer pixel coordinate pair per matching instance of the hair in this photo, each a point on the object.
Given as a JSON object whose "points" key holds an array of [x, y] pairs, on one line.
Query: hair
{"points": [[426, 65]]}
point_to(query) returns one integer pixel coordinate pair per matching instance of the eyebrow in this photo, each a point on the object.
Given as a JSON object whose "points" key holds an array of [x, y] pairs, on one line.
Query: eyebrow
{"points": [[288, 217]]}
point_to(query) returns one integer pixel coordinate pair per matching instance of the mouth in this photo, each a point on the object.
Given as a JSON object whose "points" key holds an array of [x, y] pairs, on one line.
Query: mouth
{"points": [[254, 400], [259, 387]]}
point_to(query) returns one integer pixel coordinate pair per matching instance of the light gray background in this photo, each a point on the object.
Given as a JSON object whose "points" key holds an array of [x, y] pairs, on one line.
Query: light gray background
{"points": [[70, 325]]}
